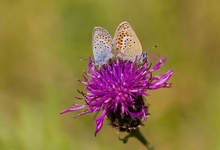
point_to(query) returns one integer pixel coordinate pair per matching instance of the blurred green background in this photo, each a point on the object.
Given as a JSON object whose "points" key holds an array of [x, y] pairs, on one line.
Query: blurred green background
{"points": [[42, 42]]}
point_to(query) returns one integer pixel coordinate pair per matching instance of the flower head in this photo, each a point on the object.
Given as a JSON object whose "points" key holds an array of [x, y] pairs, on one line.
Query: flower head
{"points": [[117, 89]]}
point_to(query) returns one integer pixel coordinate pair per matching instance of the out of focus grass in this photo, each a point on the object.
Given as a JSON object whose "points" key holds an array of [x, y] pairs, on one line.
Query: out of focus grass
{"points": [[41, 43]]}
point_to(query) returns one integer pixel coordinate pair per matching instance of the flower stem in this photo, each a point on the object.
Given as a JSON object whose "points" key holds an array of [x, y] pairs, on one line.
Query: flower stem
{"points": [[136, 133]]}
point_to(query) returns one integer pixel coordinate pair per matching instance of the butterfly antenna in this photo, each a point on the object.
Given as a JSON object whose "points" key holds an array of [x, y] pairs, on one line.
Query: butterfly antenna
{"points": [[83, 59], [153, 47]]}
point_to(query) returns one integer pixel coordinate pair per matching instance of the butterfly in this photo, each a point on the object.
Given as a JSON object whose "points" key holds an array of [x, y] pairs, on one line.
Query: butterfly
{"points": [[125, 44], [102, 45]]}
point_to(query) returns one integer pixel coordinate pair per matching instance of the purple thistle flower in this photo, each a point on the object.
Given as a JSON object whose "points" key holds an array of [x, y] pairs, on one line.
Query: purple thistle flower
{"points": [[117, 89]]}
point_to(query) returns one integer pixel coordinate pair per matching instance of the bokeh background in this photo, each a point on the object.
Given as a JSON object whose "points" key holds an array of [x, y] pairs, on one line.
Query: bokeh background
{"points": [[42, 42]]}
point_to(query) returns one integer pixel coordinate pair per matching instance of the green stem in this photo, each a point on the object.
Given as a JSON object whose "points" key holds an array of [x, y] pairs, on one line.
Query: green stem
{"points": [[137, 134]]}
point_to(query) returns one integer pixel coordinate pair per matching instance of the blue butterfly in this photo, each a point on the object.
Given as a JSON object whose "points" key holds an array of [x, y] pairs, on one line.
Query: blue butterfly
{"points": [[102, 45]]}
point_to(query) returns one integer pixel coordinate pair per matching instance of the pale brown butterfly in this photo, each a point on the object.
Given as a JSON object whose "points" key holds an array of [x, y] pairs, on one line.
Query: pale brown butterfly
{"points": [[126, 42]]}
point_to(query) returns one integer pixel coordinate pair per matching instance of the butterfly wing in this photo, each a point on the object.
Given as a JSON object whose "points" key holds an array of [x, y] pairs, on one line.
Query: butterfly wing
{"points": [[101, 45], [126, 42]]}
